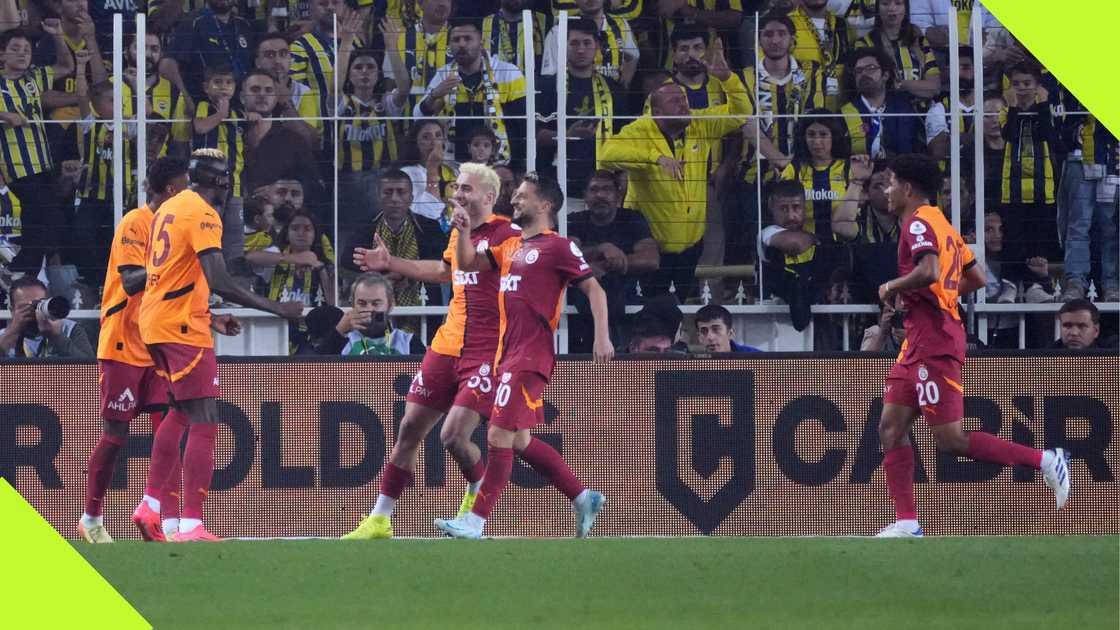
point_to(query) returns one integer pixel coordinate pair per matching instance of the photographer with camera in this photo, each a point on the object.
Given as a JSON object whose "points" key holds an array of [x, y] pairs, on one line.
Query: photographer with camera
{"points": [[39, 327], [888, 334], [366, 329]]}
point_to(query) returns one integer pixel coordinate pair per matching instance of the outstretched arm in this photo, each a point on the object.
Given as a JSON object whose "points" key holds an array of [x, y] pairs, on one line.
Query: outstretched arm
{"points": [[217, 276]]}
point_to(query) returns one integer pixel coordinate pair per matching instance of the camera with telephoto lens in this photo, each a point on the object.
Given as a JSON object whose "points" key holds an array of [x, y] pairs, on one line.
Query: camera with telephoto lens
{"points": [[54, 308]]}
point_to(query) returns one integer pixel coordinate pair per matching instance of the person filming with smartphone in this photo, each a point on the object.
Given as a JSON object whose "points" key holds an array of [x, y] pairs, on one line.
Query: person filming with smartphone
{"points": [[367, 328]]}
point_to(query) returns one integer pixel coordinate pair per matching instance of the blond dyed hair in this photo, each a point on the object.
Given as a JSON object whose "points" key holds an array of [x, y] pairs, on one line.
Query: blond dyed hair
{"points": [[485, 175]]}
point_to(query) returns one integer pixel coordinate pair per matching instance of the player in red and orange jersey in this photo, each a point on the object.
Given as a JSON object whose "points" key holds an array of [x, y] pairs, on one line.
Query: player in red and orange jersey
{"points": [[456, 376], [935, 268], [536, 269], [183, 265], [128, 382]]}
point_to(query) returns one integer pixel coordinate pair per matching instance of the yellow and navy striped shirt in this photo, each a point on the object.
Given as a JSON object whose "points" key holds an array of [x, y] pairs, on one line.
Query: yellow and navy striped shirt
{"points": [[825, 189], [11, 225], [313, 64], [1028, 166], [168, 102], [911, 63], [96, 182], [506, 40], [627, 10], [1098, 146], [228, 137], [668, 25], [365, 141], [424, 55], [828, 50], [25, 148]]}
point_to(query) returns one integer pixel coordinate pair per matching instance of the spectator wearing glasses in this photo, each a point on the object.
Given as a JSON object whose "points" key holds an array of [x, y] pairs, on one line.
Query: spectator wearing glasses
{"points": [[882, 121]]}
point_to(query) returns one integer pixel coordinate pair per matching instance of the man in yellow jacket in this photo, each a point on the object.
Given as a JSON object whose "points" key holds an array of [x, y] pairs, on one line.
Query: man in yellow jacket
{"points": [[666, 156]]}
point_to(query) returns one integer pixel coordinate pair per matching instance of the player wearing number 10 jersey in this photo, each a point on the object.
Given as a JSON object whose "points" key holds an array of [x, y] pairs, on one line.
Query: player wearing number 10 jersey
{"points": [[456, 376], [935, 268], [536, 269]]}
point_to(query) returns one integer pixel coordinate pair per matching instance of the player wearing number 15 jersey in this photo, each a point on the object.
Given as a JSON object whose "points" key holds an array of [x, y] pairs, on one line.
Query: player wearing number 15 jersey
{"points": [[536, 269], [184, 264], [935, 268], [127, 379]]}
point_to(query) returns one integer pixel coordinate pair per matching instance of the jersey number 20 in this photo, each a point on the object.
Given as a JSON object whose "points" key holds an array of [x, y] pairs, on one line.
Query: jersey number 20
{"points": [[928, 393], [952, 277]]}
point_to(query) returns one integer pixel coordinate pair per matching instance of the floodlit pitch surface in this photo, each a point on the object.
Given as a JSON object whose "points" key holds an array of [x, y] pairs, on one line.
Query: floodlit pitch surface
{"points": [[952, 583]]}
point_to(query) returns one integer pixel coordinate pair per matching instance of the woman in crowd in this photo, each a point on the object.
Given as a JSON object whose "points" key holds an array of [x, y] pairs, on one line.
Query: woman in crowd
{"points": [[433, 178]]}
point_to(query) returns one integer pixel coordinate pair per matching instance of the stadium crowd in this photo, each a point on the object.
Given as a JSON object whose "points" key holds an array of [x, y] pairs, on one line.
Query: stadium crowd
{"points": [[689, 145]]}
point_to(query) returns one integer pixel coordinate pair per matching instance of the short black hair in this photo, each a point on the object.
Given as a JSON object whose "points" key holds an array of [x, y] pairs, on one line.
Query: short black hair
{"points": [[786, 189], [841, 141], [16, 33], [252, 208], [920, 171], [267, 37], [483, 131], [779, 17], [397, 175], [605, 175], [683, 34], [886, 63], [257, 72], [585, 26], [23, 283], [547, 189], [163, 170], [1026, 67], [217, 70], [1074, 306], [462, 21], [711, 313]]}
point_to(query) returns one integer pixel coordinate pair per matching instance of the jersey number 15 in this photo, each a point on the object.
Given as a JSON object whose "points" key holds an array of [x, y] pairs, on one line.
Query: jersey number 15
{"points": [[162, 237]]}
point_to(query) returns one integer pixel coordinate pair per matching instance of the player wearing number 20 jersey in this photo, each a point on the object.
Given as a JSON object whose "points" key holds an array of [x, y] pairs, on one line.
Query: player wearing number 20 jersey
{"points": [[935, 335], [935, 268]]}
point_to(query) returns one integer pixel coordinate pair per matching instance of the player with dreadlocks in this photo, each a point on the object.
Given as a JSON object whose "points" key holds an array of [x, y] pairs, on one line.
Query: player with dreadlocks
{"points": [[184, 264]]}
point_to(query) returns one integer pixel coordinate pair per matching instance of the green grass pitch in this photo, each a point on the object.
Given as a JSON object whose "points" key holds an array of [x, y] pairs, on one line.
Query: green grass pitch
{"points": [[952, 583]]}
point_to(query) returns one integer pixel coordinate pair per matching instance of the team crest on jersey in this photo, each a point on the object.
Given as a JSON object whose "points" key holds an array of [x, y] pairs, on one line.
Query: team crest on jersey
{"points": [[532, 256], [923, 373], [482, 246], [31, 88], [917, 227]]}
